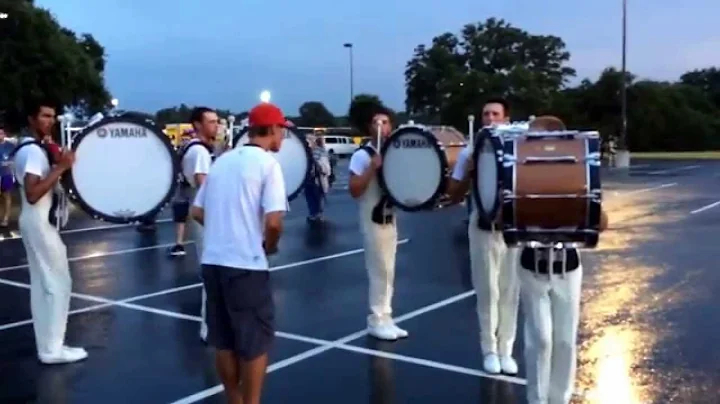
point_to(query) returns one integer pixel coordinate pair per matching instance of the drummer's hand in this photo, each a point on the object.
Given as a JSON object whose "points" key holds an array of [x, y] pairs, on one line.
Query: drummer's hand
{"points": [[376, 162], [67, 159]]}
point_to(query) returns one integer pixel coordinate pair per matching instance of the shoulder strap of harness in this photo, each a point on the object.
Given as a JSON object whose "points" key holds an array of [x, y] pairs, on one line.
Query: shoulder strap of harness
{"points": [[48, 155], [192, 143]]}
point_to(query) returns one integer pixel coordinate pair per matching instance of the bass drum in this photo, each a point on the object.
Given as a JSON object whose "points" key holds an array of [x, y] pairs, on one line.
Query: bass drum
{"points": [[125, 170], [488, 175], [295, 158], [414, 168]]}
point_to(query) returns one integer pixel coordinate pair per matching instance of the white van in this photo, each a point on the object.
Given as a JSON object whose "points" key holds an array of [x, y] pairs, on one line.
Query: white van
{"points": [[340, 145]]}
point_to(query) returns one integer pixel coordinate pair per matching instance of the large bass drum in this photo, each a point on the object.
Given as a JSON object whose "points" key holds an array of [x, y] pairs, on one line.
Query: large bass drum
{"points": [[414, 168], [295, 158], [125, 170], [551, 188]]}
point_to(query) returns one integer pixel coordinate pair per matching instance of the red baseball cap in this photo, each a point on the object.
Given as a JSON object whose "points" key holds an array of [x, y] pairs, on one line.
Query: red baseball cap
{"points": [[266, 114]]}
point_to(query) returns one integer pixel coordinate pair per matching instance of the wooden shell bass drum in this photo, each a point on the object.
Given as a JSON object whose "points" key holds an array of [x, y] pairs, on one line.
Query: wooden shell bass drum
{"points": [[551, 188]]}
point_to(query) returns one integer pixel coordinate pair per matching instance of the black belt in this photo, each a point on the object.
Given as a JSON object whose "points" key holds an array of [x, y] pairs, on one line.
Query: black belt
{"points": [[383, 219], [571, 262]]}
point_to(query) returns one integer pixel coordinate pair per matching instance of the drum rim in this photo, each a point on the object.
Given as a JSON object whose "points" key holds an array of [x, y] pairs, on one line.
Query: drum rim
{"points": [[439, 151], [308, 155], [489, 135], [69, 183]]}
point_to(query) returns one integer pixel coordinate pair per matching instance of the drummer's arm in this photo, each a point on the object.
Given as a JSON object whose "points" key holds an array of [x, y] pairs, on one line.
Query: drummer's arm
{"points": [[35, 186], [459, 182], [198, 209], [361, 172], [202, 166]]}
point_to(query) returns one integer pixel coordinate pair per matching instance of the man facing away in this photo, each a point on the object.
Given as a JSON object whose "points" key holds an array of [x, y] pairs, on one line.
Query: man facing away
{"points": [[241, 205], [493, 265], [378, 227], [50, 282], [550, 285]]}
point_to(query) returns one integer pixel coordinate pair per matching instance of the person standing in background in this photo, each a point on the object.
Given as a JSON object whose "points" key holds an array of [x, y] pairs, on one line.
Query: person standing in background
{"points": [[319, 185], [7, 180]]}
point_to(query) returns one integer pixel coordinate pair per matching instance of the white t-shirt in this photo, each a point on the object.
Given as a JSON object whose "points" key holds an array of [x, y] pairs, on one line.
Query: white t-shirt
{"points": [[30, 160], [196, 160], [241, 187], [359, 162]]}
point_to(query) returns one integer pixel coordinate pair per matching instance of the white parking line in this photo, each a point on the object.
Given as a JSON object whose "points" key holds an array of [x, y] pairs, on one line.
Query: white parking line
{"points": [[104, 254], [127, 303], [706, 207], [673, 170], [643, 190], [17, 235], [201, 395]]}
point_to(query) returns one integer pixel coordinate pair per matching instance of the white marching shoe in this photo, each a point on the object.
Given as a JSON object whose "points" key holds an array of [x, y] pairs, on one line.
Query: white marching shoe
{"points": [[399, 331], [65, 355], [385, 332], [491, 364], [508, 365]]}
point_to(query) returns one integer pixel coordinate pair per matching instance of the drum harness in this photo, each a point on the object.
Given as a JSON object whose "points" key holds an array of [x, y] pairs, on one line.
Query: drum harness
{"points": [[381, 213], [53, 218], [181, 177]]}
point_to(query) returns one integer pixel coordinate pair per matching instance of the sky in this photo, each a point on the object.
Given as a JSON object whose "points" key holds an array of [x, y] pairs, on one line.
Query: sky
{"points": [[223, 53]]}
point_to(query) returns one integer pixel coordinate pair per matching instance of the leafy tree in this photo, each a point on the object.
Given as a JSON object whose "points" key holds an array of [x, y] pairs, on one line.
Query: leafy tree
{"points": [[314, 113], [707, 80], [41, 59], [452, 78]]}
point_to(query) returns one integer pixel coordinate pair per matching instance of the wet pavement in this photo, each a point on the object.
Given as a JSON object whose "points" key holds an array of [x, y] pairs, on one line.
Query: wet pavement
{"points": [[648, 327]]}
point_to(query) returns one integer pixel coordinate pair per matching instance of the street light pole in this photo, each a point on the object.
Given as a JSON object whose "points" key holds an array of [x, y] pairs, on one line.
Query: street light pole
{"points": [[350, 48], [623, 133]]}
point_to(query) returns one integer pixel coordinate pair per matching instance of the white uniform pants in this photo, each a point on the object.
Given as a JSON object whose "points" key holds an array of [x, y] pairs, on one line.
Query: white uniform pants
{"points": [[551, 306], [380, 242], [50, 282], [196, 234], [494, 276]]}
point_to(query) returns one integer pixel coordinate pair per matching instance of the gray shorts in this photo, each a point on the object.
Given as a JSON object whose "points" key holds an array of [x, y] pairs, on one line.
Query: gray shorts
{"points": [[240, 310]]}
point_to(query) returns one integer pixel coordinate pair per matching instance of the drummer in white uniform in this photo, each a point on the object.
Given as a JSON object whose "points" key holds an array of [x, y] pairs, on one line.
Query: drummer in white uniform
{"points": [[50, 282], [195, 164], [377, 222], [550, 296], [493, 265]]}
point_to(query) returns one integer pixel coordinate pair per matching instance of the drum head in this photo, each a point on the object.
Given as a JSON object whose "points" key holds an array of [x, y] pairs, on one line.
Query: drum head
{"points": [[295, 159], [125, 170], [488, 168], [414, 167]]}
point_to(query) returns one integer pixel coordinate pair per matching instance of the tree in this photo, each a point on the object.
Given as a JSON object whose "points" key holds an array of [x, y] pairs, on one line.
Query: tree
{"points": [[314, 113], [41, 59], [454, 76], [362, 106], [707, 81]]}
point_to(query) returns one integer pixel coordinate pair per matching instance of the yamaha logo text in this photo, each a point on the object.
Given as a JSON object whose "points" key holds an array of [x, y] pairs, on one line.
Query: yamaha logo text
{"points": [[125, 132], [411, 143]]}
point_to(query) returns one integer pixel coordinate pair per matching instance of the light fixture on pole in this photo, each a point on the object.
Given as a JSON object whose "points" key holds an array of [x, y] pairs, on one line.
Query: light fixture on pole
{"points": [[350, 49], [623, 91], [622, 153], [265, 96]]}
